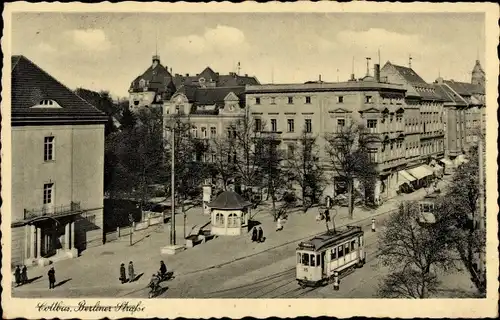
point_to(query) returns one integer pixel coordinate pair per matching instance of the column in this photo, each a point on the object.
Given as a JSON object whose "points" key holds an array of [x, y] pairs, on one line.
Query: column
{"points": [[32, 241], [72, 241], [38, 242], [26, 240], [66, 236]]}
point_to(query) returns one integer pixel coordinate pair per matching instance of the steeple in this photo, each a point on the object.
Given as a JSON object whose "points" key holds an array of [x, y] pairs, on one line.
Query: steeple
{"points": [[478, 76]]}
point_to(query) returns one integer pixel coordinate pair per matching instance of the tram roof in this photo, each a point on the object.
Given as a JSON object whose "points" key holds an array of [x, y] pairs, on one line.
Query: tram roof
{"points": [[329, 238]]}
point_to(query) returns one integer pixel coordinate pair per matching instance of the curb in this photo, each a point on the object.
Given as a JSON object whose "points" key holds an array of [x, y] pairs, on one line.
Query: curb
{"points": [[280, 245]]}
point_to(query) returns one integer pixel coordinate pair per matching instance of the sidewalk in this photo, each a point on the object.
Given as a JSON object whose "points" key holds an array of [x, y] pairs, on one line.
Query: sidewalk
{"points": [[99, 267]]}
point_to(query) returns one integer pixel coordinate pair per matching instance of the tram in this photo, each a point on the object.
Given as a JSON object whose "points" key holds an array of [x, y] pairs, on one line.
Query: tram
{"points": [[319, 257]]}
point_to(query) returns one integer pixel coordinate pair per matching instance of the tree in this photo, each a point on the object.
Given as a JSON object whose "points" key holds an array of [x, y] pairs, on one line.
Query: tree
{"points": [[349, 155], [137, 154], [413, 252], [270, 162], [463, 197], [303, 168], [245, 134], [223, 158], [189, 170]]}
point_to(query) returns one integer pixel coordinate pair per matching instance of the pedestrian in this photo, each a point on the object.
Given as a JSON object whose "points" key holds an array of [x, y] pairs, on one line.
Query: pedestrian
{"points": [[254, 234], [24, 275], [17, 276], [52, 278], [279, 226], [131, 274], [260, 236], [327, 215], [123, 276]]}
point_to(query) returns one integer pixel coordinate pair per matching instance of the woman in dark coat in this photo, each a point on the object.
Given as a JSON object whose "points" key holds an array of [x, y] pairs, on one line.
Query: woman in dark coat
{"points": [[254, 234], [24, 275], [17, 276], [52, 278], [131, 273], [260, 235], [123, 276]]}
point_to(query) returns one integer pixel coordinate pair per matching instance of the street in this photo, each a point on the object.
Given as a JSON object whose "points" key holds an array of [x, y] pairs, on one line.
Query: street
{"points": [[270, 274]]}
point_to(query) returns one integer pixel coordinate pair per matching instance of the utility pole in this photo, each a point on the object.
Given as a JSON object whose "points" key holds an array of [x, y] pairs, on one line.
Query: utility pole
{"points": [[172, 201], [368, 65]]}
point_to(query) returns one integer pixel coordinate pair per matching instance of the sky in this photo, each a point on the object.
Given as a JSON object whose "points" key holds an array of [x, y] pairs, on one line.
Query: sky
{"points": [[107, 51]]}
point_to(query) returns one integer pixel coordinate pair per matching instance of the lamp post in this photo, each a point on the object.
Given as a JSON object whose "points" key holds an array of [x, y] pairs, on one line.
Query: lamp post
{"points": [[172, 201]]}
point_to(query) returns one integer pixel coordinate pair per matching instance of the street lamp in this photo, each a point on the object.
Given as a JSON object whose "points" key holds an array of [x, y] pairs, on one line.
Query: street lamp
{"points": [[172, 187]]}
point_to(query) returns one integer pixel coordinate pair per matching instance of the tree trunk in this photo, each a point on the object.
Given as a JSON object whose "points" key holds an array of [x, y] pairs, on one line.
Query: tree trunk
{"points": [[183, 216], [350, 199], [304, 204]]}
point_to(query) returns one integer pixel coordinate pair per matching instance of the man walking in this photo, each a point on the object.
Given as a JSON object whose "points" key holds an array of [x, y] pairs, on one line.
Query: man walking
{"points": [[52, 278], [123, 276], [260, 236], [131, 274], [254, 234], [24, 275], [17, 276]]}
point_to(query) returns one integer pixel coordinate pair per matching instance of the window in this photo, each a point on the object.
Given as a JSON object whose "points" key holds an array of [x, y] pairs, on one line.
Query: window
{"points": [[290, 100], [353, 245], [313, 264], [213, 132], [360, 241], [341, 122], [48, 149], [273, 100], [47, 193], [213, 157], [340, 99], [308, 125], [340, 251], [347, 248], [219, 219], [232, 220], [368, 99], [194, 132], [257, 100], [333, 254], [305, 259], [371, 123], [258, 125], [308, 100], [299, 258], [290, 125], [91, 218], [203, 132], [274, 125]]}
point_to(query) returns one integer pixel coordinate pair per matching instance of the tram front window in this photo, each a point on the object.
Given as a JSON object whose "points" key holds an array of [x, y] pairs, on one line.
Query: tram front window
{"points": [[305, 259], [333, 255], [299, 259], [312, 260]]}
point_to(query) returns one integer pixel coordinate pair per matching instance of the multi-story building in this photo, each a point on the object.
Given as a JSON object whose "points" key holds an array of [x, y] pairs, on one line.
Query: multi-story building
{"points": [[464, 114], [210, 111], [157, 85], [424, 127], [57, 168], [322, 108]]}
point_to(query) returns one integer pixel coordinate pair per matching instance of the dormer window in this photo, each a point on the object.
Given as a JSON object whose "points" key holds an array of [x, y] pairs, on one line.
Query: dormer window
{"points": [[142, 83], [47, 103]]}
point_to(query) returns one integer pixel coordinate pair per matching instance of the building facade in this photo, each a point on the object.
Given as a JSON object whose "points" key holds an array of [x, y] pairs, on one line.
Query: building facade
{"points": [[322, 108], [464, 114], [57, 168]]}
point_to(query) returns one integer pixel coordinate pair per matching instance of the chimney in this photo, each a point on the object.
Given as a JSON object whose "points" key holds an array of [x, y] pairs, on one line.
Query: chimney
{"points": [[353, 77], [246, 74], [377, 72], [187, 74], [156, 61], [319, 78]]}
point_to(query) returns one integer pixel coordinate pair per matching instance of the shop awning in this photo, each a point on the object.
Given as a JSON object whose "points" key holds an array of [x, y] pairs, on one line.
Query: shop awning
{"points": [[404, 177], [420, 172], [461, 159], [447, 162]]}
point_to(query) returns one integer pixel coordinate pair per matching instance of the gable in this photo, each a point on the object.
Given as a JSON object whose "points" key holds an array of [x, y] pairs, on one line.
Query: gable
{"points": [[231, 97], [179, 97], [340, 110]]}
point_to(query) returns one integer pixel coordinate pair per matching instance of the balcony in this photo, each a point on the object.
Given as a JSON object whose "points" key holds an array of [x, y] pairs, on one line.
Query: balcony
{"points": [[55, 211]]}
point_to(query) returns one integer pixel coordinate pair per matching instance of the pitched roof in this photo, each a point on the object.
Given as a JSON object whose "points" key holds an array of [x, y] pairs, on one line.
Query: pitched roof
{"points": [[424, 89], [31, 85], [159, 78], [448, 95], [229, 200], [409, 74], [211, 96], [464, 88], [229, 80]]}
